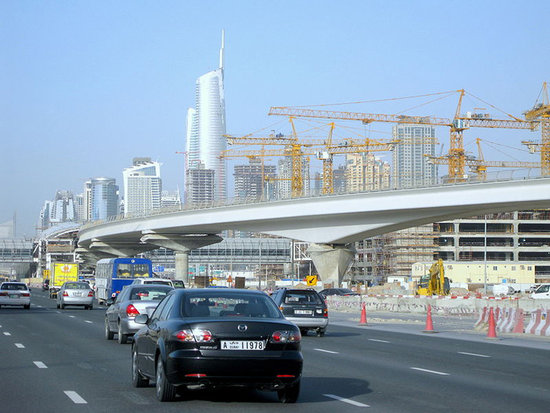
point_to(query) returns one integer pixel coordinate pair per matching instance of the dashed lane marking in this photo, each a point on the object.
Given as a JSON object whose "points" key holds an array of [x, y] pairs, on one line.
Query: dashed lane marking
{"points": [[378, 341], [72, 316], [431, 371], [342, 399], [75, 397], [6, 333], [88, 321], [19, 345], [325, 351], [473, 354], [40, 365]]}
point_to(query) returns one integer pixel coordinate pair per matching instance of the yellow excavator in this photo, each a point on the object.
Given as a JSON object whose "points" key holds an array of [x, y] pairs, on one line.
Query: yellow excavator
{"points": [[435, 282]]}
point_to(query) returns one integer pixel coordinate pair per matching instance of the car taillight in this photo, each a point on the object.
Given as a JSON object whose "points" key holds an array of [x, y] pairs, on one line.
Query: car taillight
{"points": [[131, 311], [3, 294], [325, 312], [285, 337], [91, 293], [65, 294], [197, 335], [25, 294]]}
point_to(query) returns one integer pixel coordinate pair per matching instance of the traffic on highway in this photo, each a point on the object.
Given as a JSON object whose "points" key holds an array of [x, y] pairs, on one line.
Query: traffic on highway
{"points": [[58, 358]]}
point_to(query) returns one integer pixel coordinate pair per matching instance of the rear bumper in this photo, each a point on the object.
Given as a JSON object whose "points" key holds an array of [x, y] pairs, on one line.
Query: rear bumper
{"points": [[15, 301], [304, 322], [242, 370], [77, 300], [129, 326]]}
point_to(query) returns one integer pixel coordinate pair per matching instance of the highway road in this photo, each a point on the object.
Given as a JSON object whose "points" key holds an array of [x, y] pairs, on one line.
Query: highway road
{"points": [[58, 361]]}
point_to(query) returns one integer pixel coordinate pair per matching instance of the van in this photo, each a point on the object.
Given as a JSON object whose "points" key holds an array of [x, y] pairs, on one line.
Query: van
{"points": [[162, 281], [543, 291]]}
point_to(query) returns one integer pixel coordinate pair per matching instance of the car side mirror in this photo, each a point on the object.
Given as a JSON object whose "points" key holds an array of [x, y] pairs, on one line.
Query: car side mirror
{"points": [[110, 301], [30, 289], [141, 319]]}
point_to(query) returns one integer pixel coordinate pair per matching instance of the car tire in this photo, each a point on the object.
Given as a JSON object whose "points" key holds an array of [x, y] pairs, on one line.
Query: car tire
{"points": [[57, 305], [303, 332], [290, 393], [62, 306], [165, 391], [321, 332], [137, 378], [122, 338], [109, 335], [27, 307]]}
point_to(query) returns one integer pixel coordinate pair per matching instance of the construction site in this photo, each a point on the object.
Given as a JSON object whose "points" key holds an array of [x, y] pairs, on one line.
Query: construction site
{"points": [[351, 160]]}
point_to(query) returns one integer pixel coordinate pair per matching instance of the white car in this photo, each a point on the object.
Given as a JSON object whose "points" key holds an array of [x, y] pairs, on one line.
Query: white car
{"points": [[543, 291], [161, 281], [75, 293], [15, 293]]}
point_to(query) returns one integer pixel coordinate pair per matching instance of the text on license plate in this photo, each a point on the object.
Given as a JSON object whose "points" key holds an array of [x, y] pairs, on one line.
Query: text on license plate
{"points": [[307, 312], [242, 345]]}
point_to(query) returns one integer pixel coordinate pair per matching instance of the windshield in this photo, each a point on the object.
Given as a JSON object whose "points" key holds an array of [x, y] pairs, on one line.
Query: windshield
{"points": [[149, 292], [6, 286], [228, 305]]}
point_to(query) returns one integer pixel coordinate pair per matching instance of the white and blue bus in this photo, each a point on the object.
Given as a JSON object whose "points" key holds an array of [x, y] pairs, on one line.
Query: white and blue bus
{"points": [[112, 274]]}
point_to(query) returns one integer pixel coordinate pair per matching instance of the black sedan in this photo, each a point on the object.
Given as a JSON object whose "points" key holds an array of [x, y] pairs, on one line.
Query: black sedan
{"points": [[337, 291], [202, 338]]}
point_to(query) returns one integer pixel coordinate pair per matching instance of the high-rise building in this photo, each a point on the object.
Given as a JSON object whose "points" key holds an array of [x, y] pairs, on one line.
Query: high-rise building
{"points": [[61, 209], [103, 198], [411, 166], [199, 185], [284, 179], [251, 180], [142, 186], [170, 199], [206, 128], [364, 172]]}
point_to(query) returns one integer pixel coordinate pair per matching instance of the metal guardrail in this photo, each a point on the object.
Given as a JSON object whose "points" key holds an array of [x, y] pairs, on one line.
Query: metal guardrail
{"points": [[511, 175]]}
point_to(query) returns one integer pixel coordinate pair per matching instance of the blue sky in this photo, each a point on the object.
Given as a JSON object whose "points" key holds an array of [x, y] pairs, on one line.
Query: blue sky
{"points": [[86, 86]]}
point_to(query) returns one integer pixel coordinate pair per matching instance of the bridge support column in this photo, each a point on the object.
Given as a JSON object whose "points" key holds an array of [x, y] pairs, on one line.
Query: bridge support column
{"points": [[332, 261], [182, 245]]}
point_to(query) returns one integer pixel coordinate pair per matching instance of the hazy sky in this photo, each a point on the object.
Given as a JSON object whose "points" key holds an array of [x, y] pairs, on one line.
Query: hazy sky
{"points": [[86, 86]]}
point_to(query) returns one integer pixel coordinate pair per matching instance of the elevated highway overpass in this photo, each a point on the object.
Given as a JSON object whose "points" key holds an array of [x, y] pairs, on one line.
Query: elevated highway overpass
{"points": [[330, 223]]}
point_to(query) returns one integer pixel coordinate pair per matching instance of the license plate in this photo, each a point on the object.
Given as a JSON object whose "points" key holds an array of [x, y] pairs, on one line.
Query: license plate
{"points": [[242, 345], [14, 296], [77, 294], [303, 312]]}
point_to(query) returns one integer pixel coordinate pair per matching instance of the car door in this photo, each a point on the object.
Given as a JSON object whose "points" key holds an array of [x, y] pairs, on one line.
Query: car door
{"points": [[114, 309], [147, 344]]}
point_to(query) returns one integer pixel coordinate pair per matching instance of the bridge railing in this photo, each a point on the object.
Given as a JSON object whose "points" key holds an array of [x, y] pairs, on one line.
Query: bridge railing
{"points": [[496, 176]]}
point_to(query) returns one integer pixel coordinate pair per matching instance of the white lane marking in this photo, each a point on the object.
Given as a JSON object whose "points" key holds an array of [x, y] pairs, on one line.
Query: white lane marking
{"points": [[6, 333], [88, 321], [72, 316], [342, 399], [378, 341], [40, 365], [431, 371], [19, 345], [326, 351], [75, 397], [472, 354]]}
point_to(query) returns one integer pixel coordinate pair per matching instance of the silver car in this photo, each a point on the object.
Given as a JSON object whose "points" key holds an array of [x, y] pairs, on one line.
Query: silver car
{"points": [[133, 300], [75, 293], [15, 293]]}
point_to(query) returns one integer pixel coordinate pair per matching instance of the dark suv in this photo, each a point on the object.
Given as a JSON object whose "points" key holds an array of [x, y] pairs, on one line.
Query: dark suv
{"points": [[305, 308]]}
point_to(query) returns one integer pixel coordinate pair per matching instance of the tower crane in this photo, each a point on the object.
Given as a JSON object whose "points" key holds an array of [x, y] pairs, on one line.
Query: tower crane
{"points": [[479, 165], [541, 112], [457, 125], [297, 149]]}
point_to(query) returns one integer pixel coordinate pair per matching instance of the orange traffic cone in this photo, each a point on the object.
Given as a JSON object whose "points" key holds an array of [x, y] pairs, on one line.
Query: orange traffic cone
{"points": [[363, 321], [492, 333], [429, 324]]}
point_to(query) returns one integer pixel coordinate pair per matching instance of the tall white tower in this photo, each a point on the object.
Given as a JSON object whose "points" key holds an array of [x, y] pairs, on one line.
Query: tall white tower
{"points": [[206, 127]]}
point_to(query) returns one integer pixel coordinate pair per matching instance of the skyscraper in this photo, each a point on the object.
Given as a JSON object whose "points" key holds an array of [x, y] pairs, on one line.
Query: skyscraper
{"points": [[411, 168], [251, 180], [61, 209], [206, 128], [364, 172], [142, 186], [103, 198]]}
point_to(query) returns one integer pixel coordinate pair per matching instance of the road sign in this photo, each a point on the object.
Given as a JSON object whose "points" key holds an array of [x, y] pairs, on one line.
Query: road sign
{"points": [[311, 280], [158, 268]]}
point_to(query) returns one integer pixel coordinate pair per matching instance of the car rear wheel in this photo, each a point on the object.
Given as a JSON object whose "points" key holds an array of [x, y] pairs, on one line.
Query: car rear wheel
{"points": [[290, 393], [122, 338], [109, 335], [321, 332], [27, 307], [62, 306], [165, 391], [137, 379]]}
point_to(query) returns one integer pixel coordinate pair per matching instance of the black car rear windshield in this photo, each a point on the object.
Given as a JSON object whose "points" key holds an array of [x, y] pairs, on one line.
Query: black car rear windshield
{"points": [[219, 304], [302, 297]]}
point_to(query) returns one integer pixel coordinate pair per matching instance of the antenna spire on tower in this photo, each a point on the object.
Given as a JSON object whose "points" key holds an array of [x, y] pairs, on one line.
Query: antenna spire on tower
{"points": [[222, 49]]}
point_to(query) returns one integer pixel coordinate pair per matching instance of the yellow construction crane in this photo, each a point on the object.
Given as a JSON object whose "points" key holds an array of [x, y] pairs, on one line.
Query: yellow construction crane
{"points": [[541, 112], [298, 149], [457, 125], [479, 165]]}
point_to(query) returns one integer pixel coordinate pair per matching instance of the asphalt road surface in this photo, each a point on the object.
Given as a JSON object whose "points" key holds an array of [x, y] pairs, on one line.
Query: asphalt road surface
{"points": [[58, 361]]}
